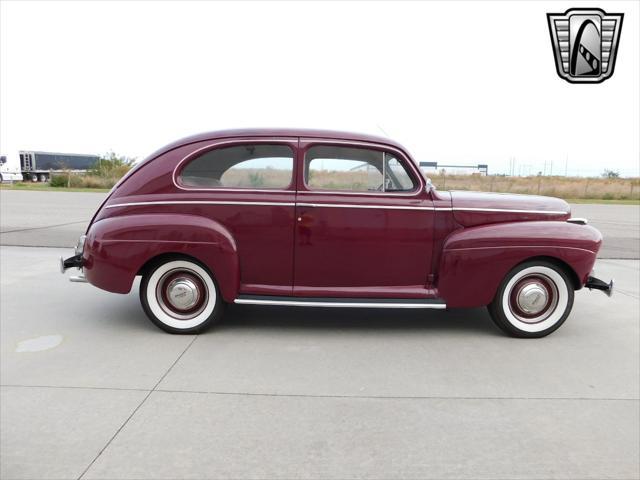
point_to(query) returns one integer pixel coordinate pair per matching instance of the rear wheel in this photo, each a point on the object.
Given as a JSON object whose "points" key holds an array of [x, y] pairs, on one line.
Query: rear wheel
{"points": [[534, 299], [42, 177], [179, 295]]}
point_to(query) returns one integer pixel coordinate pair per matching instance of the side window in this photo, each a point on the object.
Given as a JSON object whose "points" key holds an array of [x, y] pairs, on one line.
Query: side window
{"points": [[241, 166], [354, 169], [396, 178]]}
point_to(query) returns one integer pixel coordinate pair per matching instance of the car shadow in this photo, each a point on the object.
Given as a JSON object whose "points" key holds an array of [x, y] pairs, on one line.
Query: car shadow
{"points": [[475, 320], [463, 320]]}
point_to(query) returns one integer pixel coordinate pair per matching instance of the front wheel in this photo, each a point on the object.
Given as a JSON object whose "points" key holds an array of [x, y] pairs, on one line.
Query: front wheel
{"points": [[534, 299], [180, 296]]}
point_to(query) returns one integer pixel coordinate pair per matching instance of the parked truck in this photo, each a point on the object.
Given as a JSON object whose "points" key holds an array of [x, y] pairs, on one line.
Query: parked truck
{"points": [[39, 166], [7, 172]]}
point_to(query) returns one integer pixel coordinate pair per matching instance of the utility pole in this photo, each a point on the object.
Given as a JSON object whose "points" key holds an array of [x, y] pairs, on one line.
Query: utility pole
{"points": [[566, 164]]}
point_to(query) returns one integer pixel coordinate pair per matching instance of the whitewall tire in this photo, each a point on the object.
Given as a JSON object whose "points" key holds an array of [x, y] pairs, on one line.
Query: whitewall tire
{"points": [[534, 299], [179, 295]]}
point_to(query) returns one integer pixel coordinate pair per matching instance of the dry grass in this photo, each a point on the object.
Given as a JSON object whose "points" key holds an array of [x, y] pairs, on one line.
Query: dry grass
{"points": [[562, 187], [66, 180]]}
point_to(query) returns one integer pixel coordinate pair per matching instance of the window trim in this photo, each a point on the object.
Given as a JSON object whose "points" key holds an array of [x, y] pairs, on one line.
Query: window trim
{"points": [[289, 142], [399, 154]]}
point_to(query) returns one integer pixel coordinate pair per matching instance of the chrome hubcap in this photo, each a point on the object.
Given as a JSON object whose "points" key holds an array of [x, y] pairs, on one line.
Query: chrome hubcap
{"points": [[182, 293], [532, 298]]}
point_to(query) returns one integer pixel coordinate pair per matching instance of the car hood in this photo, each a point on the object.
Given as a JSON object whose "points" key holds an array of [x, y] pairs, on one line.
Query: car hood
{"points": [[476, 208]]}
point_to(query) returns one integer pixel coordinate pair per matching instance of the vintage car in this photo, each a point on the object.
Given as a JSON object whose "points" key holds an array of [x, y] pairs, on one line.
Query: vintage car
{"points": [[310, 218]]}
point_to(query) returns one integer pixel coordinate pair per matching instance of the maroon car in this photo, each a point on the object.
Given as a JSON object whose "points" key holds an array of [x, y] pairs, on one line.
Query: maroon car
{"points": [[311, 218]]}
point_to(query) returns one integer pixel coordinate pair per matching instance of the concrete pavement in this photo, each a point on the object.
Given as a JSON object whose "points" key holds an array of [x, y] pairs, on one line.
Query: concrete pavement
{"points": [[91, 389]]}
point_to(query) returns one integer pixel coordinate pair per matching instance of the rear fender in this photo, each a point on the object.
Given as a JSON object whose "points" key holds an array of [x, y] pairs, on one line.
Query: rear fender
{"points": [[117, 248], [475, 260]]}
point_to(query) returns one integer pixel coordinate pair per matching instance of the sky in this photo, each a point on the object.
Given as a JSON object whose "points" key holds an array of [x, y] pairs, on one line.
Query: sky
{"points": [[454, 82]]}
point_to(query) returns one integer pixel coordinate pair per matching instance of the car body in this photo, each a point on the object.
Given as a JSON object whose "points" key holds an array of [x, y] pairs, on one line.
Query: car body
{"points": [[323, 218]]}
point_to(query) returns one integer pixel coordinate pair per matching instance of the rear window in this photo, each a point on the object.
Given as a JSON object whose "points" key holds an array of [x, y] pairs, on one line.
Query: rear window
{"points": [[260, 166]]}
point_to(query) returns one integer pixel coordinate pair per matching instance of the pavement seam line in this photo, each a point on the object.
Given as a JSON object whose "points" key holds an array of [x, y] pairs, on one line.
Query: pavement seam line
{"points": [[77, 387], [135, 410], [392, 397], [362, 397], [42, 228]]}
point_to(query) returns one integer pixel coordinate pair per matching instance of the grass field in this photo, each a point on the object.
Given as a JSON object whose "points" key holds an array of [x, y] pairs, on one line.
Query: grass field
{"points": [[43, 187], [572, 189]]}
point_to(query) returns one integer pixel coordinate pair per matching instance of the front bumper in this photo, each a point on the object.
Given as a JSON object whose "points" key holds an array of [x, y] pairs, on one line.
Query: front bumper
{"points": [[597, 284], [75, 261]]}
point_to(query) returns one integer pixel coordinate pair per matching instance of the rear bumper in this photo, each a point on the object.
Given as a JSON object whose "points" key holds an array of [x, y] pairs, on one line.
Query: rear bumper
{"points": [[594, 283], [75, 261]]}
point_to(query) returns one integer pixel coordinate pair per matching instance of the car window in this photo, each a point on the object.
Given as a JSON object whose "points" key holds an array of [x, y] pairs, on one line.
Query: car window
{"points": [[330, 167], [241, 166], [396, 176]]}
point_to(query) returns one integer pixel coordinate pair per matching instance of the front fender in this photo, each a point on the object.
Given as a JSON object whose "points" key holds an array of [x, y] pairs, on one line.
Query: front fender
{"points": [[117, 248], [475, 260]]}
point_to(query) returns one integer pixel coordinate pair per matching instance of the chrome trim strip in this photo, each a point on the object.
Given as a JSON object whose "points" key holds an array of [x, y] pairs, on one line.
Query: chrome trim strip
{"points": [[201, 202], [291, 303], [507, 210], [351, 205], [329, 205]]}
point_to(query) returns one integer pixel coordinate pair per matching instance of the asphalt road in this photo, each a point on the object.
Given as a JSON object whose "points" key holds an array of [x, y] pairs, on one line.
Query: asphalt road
{"points": [[90, 388], [57, 219]]}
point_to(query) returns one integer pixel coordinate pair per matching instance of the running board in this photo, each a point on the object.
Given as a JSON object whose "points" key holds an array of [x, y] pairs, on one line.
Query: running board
{"points": [[435, 303]]}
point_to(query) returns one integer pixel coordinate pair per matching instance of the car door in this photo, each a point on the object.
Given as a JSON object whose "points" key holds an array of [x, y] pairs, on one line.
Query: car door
{"points": [[364, 222], [248, 186]]}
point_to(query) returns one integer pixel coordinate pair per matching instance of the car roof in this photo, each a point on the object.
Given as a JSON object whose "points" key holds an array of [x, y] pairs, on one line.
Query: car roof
{"points": [[276, 132]]}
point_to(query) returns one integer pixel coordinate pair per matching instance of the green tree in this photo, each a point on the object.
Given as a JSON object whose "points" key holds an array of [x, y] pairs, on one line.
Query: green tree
{"points": [[112, 165], [610, 173]]}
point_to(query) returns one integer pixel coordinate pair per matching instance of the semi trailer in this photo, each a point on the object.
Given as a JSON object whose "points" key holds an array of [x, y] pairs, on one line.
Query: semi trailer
{"points": [[39, 166]]}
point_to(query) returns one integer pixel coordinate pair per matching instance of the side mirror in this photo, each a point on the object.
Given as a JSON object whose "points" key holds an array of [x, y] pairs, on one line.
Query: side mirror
{"points": [[3, 160], [429, 188]]}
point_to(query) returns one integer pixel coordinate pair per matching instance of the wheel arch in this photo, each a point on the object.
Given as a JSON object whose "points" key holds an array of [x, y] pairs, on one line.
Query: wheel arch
{"points": [[119, 248], [475, 260], [151, 262], [558, 262]]}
